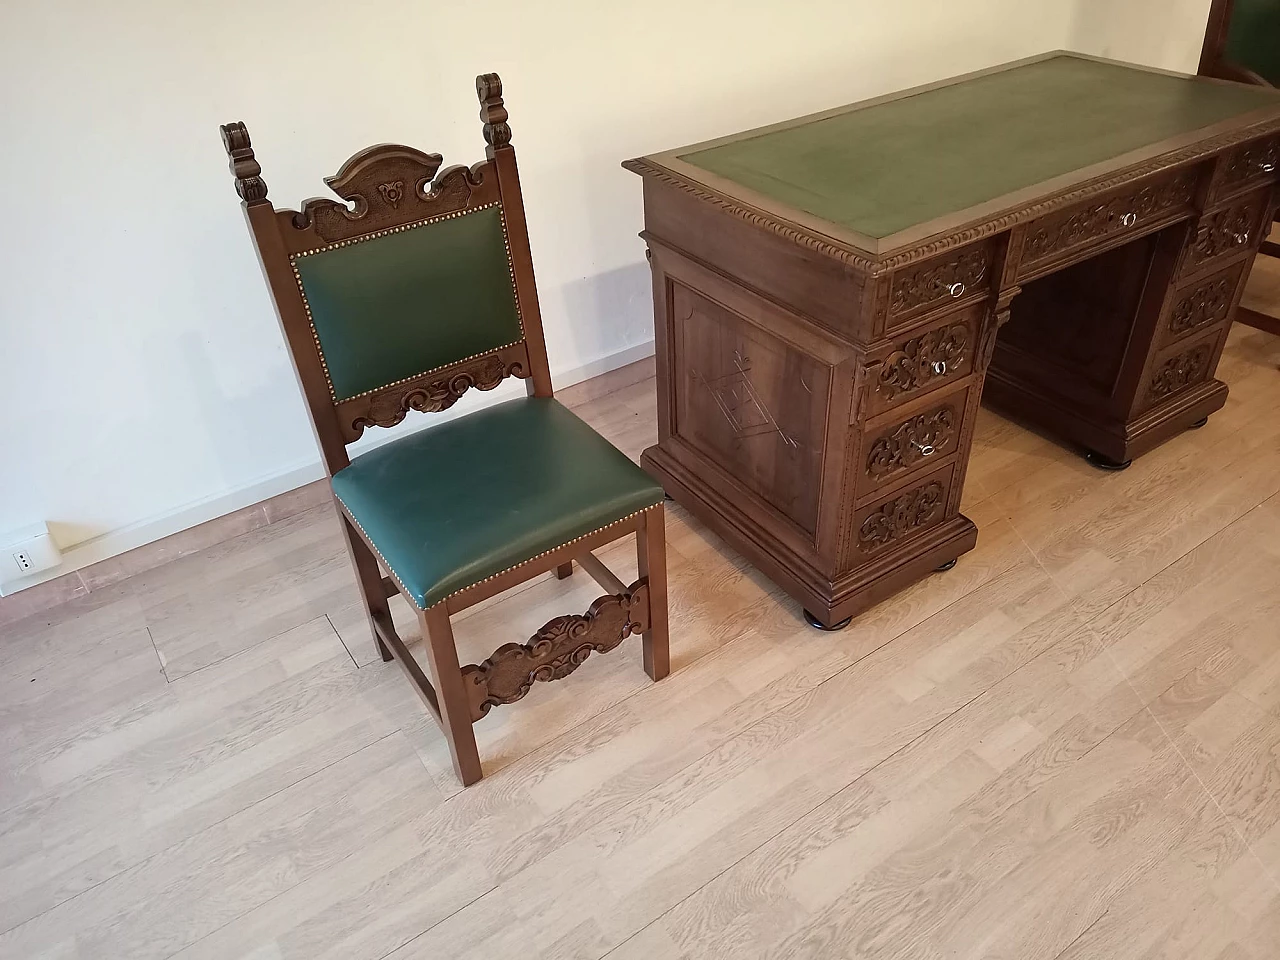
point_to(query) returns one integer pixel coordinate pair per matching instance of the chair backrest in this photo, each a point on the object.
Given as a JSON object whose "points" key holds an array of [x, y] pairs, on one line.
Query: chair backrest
{"points": [[417, 288], [1242, 41]]}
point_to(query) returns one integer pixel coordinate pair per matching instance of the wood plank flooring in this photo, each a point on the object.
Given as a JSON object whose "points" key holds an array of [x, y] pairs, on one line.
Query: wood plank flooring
{"points": [[1068, 747]]}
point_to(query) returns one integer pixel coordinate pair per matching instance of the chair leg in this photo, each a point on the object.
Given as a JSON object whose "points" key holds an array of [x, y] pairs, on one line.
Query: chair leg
{"points": [[369, 579], [651, 549], [455, 710], [565, 570]]}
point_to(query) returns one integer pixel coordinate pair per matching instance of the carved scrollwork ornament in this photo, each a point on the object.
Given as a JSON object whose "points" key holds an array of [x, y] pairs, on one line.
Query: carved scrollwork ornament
{"points": [[1180, 372], [924, 358], [920, 437], [940, 281], [900, 516], [492, 112], [432, 394], [1208, 303], [558, 649]]}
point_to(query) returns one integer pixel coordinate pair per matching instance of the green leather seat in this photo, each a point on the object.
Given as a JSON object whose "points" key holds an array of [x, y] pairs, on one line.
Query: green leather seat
{"points": [[450, 506]]}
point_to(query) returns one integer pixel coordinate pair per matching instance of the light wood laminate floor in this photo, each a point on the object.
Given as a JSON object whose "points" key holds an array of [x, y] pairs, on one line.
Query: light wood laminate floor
{"points": [[1068, 747]]}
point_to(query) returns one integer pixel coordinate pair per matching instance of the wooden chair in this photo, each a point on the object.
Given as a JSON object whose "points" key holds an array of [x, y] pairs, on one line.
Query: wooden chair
{"points": [[1242, 43], [417, 288]]}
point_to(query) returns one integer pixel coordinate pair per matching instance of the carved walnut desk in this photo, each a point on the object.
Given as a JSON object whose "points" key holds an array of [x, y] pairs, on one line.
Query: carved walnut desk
{"points": [[828, 292]]}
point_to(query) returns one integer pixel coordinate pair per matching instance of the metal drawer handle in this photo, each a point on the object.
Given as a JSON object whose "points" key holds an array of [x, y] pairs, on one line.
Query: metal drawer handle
{"points": [[939, 367], [956, 289], [926, 449], [1266, 166], [1129, 219], [1242, 238]]}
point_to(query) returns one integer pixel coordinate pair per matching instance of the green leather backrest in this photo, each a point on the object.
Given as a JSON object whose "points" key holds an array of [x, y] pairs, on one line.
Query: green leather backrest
{"points": [[1253, 38], [396, 305]]}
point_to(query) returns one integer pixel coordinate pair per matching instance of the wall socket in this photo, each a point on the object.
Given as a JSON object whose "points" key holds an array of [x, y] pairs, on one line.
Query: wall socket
{"points": [[28, 551]]}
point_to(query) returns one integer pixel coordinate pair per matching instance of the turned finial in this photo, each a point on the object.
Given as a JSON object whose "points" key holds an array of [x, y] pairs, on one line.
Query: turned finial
{"points": [[492, 112], [249, 183]]}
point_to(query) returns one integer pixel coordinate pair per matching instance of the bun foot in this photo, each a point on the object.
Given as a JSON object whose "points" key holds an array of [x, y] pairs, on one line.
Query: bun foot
{"points": [[1199, 423], [1106, 463], [946, 566], [818, 624]]}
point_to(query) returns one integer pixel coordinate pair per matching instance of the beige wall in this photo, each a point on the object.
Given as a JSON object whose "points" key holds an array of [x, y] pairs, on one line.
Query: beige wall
{"points": [[145, 382], [1162, 33]]}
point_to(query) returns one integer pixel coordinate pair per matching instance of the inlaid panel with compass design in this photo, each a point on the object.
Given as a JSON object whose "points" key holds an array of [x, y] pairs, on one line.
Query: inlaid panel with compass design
{"points": [[751, 402]]}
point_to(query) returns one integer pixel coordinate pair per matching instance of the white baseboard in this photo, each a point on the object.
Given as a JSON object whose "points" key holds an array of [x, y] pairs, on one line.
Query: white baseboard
{"points": [[126, 538]]}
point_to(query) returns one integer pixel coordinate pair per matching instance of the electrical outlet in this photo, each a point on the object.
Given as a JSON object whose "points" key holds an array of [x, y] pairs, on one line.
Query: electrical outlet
{"points": [[29, 551]]}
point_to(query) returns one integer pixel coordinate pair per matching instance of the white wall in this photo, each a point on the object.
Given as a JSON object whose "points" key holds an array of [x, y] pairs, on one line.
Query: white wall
{"points": [[1161, 33], [145, 383]]}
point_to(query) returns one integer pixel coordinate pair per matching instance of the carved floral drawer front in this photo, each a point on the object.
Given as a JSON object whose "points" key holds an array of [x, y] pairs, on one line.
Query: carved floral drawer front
{"points": [[1255, 162], [1178, 369], [1202, 305], [901, 516], [1227, 232], [925, 361], [936, 282], [902, 447], [1098, 221]]}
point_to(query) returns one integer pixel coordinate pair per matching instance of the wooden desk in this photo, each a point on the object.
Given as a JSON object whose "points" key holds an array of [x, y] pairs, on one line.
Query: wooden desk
{"points": [[828, 291]]}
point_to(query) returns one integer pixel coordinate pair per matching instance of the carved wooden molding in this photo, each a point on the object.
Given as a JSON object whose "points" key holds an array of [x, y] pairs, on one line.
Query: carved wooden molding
{"points": [[1208, 303], [923, 359], [428, 393], [250, 186], [1178, 373], [879, 266], [940, 281], [900, 516], [1066, 232], [497, 133], [556, 650], [386, 186], [918, 438], [1226, 231]]}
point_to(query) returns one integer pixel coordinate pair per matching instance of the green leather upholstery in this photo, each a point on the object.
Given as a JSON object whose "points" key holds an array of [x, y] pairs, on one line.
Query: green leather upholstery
{"points": [[1253, 38], [883, 168], [404, 303], [450, 506]]}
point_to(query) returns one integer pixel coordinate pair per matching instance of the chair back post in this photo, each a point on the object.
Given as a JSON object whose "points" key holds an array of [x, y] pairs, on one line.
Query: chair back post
{"points": [[498, 149], [273, 258], [1213, 54]]}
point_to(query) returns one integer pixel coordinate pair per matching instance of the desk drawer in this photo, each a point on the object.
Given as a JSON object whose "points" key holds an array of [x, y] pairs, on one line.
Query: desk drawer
{"points": [[1201, 305], [901, 516], [1179, 368], [927, 361], [908, 443], [1251, 165], [956, 275], [1229, 231], [1057, 236]]}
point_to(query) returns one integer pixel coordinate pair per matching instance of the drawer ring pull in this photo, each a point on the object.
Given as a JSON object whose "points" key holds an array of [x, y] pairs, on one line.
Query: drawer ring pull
{"points": [[956, 289], [1266, 166], [1129, 219], [939, 367], [1242, 238], [926, 449]]}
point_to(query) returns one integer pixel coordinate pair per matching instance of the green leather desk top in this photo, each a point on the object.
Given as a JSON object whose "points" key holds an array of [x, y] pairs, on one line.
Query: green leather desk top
{"points": [[882, 167]]}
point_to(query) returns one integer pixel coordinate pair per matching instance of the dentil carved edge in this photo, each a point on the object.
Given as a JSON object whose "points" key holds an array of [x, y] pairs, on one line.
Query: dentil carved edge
{"points": [[914, 440], [429, 393], [1180, 372], [900, 516], [923, 358], [556, 650]]}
